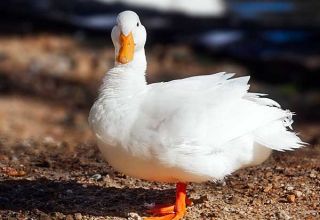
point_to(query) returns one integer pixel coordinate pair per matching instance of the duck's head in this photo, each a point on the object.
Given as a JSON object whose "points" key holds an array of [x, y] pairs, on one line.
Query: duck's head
{"points": [[128, 37]]}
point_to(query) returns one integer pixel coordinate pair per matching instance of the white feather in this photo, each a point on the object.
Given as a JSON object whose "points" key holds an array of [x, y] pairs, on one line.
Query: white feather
{"points": [[195, 129]]}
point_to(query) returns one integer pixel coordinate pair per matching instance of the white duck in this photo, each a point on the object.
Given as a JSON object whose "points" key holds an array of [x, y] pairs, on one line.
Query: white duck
{"points": [[191, 130]]}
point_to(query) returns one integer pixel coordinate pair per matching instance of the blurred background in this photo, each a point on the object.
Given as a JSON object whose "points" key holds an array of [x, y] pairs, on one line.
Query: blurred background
{"points": [[54, 53]]}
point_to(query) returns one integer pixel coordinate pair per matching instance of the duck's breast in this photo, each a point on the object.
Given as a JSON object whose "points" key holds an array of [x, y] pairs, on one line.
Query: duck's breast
{"points": [[147, 168]]}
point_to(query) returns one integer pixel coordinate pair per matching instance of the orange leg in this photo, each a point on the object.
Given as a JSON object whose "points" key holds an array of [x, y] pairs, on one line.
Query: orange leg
{"points": [[173, 212], [166, 209]]}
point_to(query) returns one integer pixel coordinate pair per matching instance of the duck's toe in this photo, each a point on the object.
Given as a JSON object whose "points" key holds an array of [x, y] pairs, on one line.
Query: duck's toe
{"points": [[162, 209], [172, 212], [173, 216], [166, 209]]}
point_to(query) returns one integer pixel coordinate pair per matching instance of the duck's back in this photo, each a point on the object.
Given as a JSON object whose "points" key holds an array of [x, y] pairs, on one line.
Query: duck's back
{"points": [[209, 112], [201, 121]]}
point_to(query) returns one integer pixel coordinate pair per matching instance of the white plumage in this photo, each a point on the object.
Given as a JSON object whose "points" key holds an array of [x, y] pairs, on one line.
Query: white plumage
{"points": [[190, 130], [195, 129]]}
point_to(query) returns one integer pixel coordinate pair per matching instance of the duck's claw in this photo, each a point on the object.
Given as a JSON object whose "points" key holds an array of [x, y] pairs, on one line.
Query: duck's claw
{"points": [[162, 209], [166, 209], [172, 212], [173, 216]]}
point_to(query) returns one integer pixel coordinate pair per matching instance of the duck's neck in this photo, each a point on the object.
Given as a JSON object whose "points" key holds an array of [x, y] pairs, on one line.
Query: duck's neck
{"points": [[120, 97], [125, 81], [139, 60]]}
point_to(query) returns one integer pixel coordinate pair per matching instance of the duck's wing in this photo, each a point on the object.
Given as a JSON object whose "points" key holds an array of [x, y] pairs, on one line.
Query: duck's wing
{"points": [[212, 89], [195, 83], [177, 112], [202, 114]]}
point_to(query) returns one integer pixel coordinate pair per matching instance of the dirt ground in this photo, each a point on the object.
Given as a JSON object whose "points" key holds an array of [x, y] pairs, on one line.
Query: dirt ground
{"points": [[50, 167]]}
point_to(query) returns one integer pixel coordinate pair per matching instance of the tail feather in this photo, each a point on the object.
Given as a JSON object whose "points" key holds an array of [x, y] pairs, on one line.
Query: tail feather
{"points": [[277, 137], [256, 97]]}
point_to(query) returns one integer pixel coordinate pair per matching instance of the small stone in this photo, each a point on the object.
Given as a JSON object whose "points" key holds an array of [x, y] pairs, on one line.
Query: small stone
{"points": [[298, 193], [106, 178], [69, 191], [96, 177], [14, 172], [291, 198], [134, 216], [48, 140], [44, 216], [58, 215], [207, 205], [26, 143], [290, 188], [313, 174], [221, 182], [283, 215], [3, 157], [268, 188], [257, 202], [149, 205], [69, 217], [250, 185], [269, 174], [279, 169], [78, 216]]}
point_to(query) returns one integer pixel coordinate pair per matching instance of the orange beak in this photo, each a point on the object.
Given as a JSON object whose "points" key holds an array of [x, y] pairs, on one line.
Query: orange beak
{"points": [[126, 48]]}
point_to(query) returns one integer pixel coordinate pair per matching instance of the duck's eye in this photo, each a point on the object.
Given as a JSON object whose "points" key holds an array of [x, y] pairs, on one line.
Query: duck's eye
{"points": [[137, 24]]}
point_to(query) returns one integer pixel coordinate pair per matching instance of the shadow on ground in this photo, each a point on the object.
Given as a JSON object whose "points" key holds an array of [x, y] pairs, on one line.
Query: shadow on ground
{"points": [[72, 197]]}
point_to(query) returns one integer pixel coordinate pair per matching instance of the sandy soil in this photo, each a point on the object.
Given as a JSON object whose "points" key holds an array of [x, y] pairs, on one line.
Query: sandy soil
{"points": [[50, 167]]}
